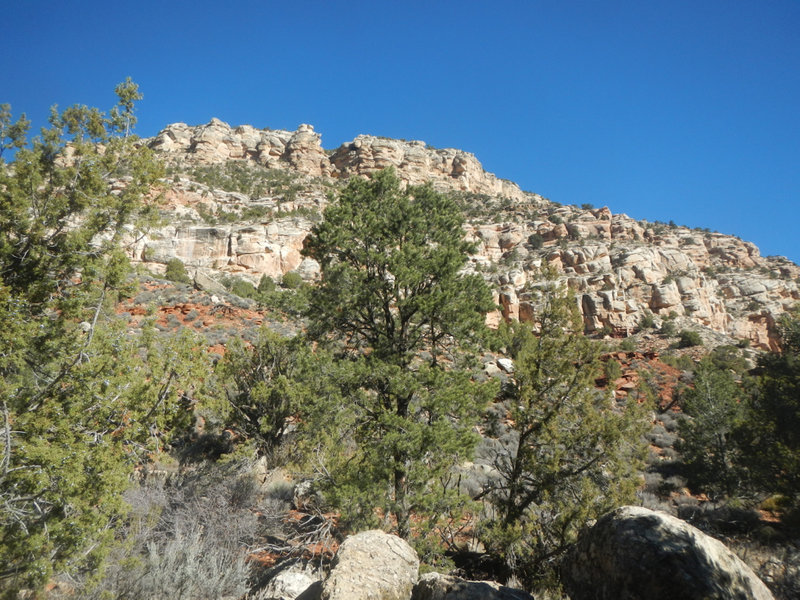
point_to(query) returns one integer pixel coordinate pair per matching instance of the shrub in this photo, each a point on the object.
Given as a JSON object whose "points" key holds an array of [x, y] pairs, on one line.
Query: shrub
{"points": [[628, 345], [291, 280], [176, 271], [667, 329], [535, 241], [647, 321], [689, 338], [612, 370], [266, 285], [187, 540], [243, 288]]}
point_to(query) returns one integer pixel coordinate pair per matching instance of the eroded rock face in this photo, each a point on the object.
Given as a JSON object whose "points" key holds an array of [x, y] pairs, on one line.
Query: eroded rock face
{"points": [[372, 565], [416, 163], [435, 586], [633, 553], [621, 274], [619, 269], [217, 142], [301, 151]]}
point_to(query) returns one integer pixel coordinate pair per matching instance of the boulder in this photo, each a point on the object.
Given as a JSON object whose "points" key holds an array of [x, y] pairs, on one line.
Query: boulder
{"points": [[290, 580], [372, 565], [634, 553], [435, 586]]}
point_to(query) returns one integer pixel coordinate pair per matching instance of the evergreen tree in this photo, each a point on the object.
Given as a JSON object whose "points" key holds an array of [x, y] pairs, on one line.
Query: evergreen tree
{"points": [[264, 386], [82, 401], [571, 453], [771, 429], [709, 448], [393, 296]]}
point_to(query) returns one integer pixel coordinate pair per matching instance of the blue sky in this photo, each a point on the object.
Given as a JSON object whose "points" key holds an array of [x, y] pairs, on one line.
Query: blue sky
{"points": [[681, 110]]}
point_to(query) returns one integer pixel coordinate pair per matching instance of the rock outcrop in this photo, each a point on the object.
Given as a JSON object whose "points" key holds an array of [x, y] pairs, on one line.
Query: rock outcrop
{"points": [[217, 142], [416, 163], [372, 565], [435, 586], [634, 553], [620, 270], [291, 580], [301, 151]]}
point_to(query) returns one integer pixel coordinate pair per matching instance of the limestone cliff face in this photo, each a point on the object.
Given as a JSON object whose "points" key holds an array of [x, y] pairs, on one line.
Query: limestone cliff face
{"points": [[619, 269]]}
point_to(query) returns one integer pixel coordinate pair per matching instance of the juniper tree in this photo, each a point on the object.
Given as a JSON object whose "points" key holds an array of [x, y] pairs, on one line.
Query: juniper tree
{"points": [[570, 453], [394, 298], [81, 399]]}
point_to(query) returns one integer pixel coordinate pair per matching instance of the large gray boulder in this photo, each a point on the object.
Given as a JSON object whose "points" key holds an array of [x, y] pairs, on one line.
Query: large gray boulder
{"points": [[435, 586], [633, 553], [372, 565]]}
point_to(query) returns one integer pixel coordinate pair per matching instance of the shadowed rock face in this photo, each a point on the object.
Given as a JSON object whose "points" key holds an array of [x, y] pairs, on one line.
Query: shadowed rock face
{"points": [[634, 553], [435, 586]]}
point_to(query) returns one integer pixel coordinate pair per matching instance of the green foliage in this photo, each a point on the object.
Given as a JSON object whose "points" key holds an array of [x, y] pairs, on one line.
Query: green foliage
{"points": [[263, 386], [628, 345], [772, 435], [391, 290], [176, 271], [647, 321], [82, 401], [243, 288], [612, 370], [688, 338], [266, 285], [245, 178], [667, 328], [572, 454], [535, 241], [728, 358], [716, 409], [291, 280]]}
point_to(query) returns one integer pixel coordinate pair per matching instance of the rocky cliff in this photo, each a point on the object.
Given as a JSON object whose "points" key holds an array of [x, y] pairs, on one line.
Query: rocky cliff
{"points": [[242, 200]]}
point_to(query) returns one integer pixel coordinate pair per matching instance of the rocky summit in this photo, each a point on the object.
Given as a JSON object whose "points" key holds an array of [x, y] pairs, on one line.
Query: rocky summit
{"points": [[242, 200]]}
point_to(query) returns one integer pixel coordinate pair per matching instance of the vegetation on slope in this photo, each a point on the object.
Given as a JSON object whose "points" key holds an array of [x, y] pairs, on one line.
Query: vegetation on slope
{"points": [[376, 402]]}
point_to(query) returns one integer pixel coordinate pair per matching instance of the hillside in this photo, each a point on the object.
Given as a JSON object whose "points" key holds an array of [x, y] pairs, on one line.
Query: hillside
{"points": [[299, 354], [242, 200]]}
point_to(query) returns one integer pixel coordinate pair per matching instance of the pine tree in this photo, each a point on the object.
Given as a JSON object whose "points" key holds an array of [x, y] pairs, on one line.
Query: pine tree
{"points": [[395, 300]]}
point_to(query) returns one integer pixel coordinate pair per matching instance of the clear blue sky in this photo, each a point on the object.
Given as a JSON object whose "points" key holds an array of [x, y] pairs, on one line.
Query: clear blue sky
{"points": [[682, 110]]}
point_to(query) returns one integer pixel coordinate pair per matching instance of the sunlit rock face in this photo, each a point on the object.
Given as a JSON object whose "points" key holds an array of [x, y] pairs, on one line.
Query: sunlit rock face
{"points": [[620, 270]]}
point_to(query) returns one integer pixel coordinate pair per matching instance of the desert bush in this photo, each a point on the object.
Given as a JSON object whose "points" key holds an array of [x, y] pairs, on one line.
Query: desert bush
{"points": [[243, 288], [291, 280], [185, 538], [647, 321], [667, 329], [612, 370], [535, 241], [688, 338], [266, 285], [176, 271]]}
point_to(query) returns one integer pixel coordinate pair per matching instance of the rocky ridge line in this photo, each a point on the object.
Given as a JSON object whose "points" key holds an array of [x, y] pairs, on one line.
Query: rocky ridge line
{"points": [[301, 150]]}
